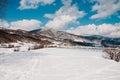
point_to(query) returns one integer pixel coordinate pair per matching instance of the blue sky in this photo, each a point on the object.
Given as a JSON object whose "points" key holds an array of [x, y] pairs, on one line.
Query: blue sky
{"points": [[13, 13], [69, 15]]}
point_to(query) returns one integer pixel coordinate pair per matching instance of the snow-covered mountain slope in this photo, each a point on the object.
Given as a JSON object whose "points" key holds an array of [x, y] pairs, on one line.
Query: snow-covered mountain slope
{"points": [[60, 35], [65, 37], [49, 36], [93, 40], [104, 41], [58, 64]]}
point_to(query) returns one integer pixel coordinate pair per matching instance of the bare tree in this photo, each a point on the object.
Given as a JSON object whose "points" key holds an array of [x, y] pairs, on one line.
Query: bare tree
{"points": [[113, 53]]}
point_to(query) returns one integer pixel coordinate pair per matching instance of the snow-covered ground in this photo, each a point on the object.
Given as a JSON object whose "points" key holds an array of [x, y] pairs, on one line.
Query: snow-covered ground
{"points": [[57, 64]]}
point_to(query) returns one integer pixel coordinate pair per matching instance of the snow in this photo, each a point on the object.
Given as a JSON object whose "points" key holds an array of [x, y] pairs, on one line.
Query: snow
{"points": [[21, 46], [6, 50], [58, 64]]}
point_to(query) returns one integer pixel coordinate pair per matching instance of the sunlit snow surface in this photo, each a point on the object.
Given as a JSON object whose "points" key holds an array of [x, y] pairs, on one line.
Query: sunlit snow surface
{"points": [[57, 64]]}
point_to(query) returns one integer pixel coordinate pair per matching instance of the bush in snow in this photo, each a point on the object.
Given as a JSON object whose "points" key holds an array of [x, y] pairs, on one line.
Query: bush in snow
{"points": [[16, 49], [10, 45], [112, 53], [38, 46]]}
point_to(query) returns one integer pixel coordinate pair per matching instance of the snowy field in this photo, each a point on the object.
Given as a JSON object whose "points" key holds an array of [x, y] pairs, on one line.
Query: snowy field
{"points": [[57, 64]]}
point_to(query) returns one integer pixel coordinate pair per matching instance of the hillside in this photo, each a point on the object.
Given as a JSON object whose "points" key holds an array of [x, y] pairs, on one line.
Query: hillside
{"points": [[7, 35], [80, 40], [51, 37]]}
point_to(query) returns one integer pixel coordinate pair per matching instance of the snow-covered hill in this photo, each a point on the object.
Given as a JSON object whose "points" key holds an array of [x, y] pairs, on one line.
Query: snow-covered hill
{"points": [[47, 37], [58, 64], [81, 40], [60, 35]]}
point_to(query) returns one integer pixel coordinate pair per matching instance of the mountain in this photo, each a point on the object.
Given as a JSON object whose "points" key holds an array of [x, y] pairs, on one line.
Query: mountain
{"points": [[59, 35], [56, 38], [93, 40], [104, 41], [8, 35], [36, 30], [66, 37]]}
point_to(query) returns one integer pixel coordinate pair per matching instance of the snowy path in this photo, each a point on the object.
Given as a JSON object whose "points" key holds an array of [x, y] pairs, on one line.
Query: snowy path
{"points": [[58, 64]]}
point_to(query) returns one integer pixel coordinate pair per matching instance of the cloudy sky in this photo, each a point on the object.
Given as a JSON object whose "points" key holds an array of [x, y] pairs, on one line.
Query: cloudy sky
{"points": [[81, 17]]}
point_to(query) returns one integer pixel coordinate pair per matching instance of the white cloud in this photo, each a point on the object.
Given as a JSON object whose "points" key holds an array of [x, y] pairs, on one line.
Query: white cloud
{"points": [[24, 24], [65, 15], [33, 4], [67, 2], [4, 24], [105, 8], [118, 16], [92, 29], [59, 22]]}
